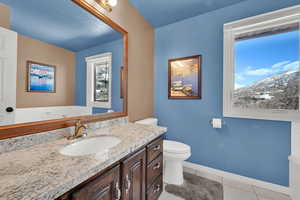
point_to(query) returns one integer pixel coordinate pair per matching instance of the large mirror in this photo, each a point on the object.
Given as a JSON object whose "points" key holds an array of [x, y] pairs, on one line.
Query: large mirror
{"points": [[58, 61]]}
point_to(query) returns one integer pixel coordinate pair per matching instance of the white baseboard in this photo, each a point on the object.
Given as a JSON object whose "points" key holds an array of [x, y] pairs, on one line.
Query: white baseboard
{"points": [[188, 166]]}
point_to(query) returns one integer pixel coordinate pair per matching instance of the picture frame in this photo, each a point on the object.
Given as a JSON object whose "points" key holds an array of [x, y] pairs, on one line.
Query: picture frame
{"points": [[41, 77], [184, 77]]}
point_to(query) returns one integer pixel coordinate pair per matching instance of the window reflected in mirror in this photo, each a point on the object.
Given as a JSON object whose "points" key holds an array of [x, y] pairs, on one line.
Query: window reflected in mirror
{"points": [[101, 83]]}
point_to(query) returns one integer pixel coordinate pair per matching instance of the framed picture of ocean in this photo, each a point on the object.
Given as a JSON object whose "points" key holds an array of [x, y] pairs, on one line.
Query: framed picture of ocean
{"points": [[184, 81], [41, 77]]}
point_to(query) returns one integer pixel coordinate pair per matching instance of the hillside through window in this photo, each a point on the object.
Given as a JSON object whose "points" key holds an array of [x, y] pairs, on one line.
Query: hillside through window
{"points": [[266, 69]]}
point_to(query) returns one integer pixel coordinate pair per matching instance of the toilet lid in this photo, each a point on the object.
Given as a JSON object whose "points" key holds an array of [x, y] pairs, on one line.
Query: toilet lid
{"points": [[176, 147]]}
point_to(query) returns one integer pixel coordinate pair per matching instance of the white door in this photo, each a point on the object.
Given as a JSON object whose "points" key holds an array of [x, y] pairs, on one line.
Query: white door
{"points": [[8, 73]]}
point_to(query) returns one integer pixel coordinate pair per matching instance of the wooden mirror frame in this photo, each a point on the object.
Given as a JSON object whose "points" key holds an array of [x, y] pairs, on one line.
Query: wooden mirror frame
{"points": [[15, 130]]}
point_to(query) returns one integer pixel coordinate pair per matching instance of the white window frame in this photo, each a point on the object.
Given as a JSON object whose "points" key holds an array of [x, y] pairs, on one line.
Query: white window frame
{"points": [[90, 65], [276, 18]]}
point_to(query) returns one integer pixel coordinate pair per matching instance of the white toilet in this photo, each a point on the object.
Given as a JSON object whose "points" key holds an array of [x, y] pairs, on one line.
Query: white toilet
{"points": [[174, 155]]}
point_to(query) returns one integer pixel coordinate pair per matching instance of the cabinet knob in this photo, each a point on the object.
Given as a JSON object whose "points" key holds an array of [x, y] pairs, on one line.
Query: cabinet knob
{"points": [[157, 189], [157, 166], [156, 148]]}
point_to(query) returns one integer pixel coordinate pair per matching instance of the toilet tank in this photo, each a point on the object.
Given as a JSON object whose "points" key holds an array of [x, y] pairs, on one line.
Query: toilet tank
{"points": [[148, 121]]}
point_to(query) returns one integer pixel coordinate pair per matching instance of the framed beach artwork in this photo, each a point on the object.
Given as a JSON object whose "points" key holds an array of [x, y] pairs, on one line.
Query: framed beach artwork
{"points": [[41, 77], [185, 78]]}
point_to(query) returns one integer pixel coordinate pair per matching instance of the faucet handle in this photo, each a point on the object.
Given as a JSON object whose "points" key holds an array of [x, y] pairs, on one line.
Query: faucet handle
{"points": [[78, 123], [80, 131]]}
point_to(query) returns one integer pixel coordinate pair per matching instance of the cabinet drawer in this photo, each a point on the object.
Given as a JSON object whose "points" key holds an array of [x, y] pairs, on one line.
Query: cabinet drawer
{"points": [[154, 169], [154, 149], [155, 189]]}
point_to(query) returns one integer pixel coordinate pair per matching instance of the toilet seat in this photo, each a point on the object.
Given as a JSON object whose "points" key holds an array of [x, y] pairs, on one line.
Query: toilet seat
{"points": [[174, 147]]}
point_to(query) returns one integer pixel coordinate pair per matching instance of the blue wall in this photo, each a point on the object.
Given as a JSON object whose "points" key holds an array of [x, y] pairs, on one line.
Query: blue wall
{"points": [[254, 148], [116, 48]]}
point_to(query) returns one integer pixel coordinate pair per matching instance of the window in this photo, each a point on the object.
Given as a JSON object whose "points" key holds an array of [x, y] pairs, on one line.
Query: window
{"points": [[99, 80], [101, 84], [261, 66]]}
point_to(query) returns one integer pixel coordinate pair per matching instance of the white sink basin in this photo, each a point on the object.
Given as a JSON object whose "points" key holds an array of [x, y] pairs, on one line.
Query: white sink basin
{"points": [[89, 146]]}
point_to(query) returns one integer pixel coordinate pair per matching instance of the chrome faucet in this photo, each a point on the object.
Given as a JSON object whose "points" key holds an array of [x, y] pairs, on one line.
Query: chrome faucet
{"points": [[79, 131]]}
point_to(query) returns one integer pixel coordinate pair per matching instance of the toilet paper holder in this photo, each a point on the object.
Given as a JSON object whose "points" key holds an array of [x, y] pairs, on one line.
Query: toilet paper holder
{"points": [[222, 121]]}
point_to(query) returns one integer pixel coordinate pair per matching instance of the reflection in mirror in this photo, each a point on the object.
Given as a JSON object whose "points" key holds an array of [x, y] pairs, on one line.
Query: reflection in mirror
{"points": [[62, 61]]}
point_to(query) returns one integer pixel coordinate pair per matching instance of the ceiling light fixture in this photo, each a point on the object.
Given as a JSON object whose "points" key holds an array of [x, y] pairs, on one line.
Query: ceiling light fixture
{"points": [[107, 4]]}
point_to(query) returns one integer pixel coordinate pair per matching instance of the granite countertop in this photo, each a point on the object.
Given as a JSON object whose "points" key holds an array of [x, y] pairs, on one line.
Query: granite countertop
{"points": [[41, 172]]}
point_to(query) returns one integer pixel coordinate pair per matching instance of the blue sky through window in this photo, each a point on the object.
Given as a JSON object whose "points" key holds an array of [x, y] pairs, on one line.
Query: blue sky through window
{"points": [[262, 57]]}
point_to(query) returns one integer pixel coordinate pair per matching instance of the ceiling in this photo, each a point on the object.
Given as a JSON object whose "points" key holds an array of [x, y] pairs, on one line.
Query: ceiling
{"points": [[59, 22], [163, 12]]}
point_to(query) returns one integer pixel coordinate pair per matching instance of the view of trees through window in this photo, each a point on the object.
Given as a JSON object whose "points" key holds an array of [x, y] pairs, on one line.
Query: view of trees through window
{"points": [[267, 71], [101, 87]]}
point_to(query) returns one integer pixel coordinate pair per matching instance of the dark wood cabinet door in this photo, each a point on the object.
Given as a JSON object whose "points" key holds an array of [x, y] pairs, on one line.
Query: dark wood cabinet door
{"points": [[104, 187], [134, 177]]}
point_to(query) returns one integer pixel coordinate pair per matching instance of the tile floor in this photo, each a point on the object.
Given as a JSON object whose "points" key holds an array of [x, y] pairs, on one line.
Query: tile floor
{"points": [[234, 190]]}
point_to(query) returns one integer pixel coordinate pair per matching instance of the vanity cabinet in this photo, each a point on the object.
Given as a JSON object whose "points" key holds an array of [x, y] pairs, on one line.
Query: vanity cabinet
{"points": [[136, 177]]}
